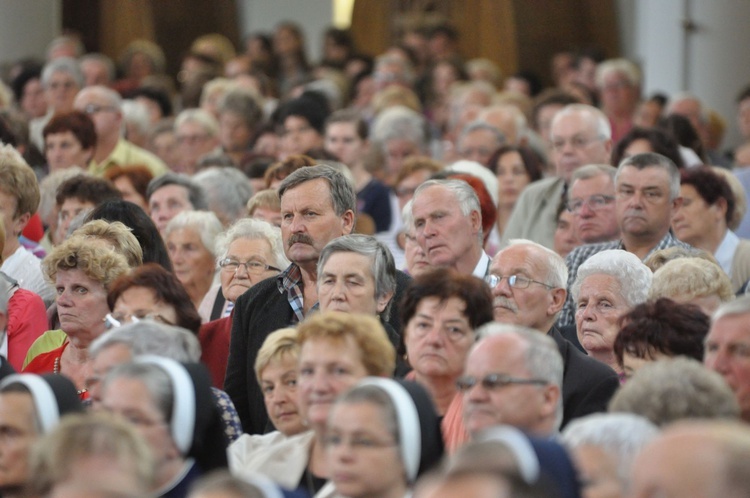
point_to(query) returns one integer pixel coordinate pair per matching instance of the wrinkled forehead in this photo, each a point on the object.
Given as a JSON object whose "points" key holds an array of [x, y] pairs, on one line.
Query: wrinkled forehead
{"points": [[521, 258]]}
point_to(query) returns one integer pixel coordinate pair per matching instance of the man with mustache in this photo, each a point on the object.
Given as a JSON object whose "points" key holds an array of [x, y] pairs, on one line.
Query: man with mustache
{"points": [[647, 194], [528, 289]]}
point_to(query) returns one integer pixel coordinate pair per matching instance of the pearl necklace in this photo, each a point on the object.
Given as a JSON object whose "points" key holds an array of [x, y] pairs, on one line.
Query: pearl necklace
{"points": [[56, 371]]}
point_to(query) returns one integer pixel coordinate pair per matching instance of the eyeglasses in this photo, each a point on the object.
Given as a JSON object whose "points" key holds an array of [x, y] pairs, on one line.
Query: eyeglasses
{"points": [[514, 281], [356, 442], [577, 143], [594, 202], [492, 382], [251, 266], [94, 108], [114, 320], [191, 139]]}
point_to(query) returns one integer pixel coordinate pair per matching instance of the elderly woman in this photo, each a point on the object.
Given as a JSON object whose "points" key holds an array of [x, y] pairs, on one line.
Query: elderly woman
{"points": [[604, 446], [336, 351], [398, 425], [608, 284], [704, 218], [248, 252], [440, 311], [692, 281], [659, 329], [515, 167], [69, 140], [82, 273], [190, 237], [400, 133], [171, 405]]}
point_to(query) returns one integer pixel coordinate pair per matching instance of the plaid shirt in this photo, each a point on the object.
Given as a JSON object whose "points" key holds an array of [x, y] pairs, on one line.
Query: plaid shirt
{"points": [[580, 254], [289, 281]]}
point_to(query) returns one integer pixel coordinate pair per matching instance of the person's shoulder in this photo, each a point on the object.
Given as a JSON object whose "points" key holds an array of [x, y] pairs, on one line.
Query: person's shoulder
{"points": [[262, 290], [543, 185], [587, 250]]}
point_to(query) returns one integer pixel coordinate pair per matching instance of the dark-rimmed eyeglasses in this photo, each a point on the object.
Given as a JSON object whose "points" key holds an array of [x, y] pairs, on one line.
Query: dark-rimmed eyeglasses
{"points": [[252, 266], [492, 382]]}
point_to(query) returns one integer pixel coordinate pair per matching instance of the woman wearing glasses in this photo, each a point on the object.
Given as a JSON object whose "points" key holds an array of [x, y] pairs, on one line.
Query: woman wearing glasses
{"points": [[440, 311], [248, 252]]}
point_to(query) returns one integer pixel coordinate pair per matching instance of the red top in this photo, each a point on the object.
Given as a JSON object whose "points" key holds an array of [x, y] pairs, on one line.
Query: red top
{"points": [[45, 363], [27, 320], [214, 339]]}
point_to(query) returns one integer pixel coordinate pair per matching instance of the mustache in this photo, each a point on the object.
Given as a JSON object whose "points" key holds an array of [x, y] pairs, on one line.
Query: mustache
{"points": [[504, 302], [299, 238]]}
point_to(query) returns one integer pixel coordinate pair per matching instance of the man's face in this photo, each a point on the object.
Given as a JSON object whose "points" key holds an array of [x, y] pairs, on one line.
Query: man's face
{"points": [[166, 203], [193, 142], [478, 145], [534, 306], [346, 283], [644, 209], [618, 95], [60, 91], [446, 235], [576, 142], [690, 109], [309, 222], [728, 353], [594, 219], [525, 406], [17, 434], [107, 118]]}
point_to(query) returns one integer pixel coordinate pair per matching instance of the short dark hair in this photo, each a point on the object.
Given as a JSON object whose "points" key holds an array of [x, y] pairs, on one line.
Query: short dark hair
{"points": [[661, 142], [196, 196], [662, 326], [350, 116], [87, 188], [78, 123], [342, 192], [711, 187], [167, 289], [156, 95], [311, 106], [444, 284], [532, 163]]}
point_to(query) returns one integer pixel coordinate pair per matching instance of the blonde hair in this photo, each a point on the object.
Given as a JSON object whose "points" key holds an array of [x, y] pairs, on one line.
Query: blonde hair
{"points": [[116, 233], [98, 262], [268, 198], [89, 435], [691, 278], [377, 354], [278, 345]]}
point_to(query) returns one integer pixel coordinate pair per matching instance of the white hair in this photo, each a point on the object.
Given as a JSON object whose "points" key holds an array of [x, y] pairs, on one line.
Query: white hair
{"points": [[633, 277], [205, 223], [557, 275], [252, 229], [594, 116]]}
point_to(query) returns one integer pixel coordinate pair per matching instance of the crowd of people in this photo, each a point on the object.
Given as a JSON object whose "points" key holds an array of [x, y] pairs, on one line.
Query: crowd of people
{"points": [[390, 276]]}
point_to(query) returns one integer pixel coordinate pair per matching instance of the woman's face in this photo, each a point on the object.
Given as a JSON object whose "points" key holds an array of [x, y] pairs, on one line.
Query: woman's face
{"points": [[362, 453], [81, 306], [299, 137], [63, 150], [129, 193], [256, 253], [600, 304], [343, 142], [327, 367], [193, 263], [438, 338], [406, 187], [696, 219], [511, 178], [141, 303], [416, 259], [278, 382]]}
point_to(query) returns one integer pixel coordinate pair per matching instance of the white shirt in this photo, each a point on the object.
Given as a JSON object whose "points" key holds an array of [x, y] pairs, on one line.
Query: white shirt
{"points": [[26, 269], [725, 252], [483, 266]]}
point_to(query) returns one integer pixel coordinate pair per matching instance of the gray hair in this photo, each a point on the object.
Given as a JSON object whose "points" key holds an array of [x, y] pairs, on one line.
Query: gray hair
{"points": [[593, 116], [619, 435], [243, 103], [196, 195], [112, 97], [621, 66], [405, 66], [382, 266], [633, 277], [557, 275], [205, 223], [157, 382], [136, 113], [542, 357], [252, 229], [592, 171], [200, 117], [101, 59], [483, 126], [343, 196], [674, 389], [408, 217], [467, 198], [227, 190], [400, 122], [739, 306], [150, 337], [63, 65], [682, 96], [654, 160]]}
